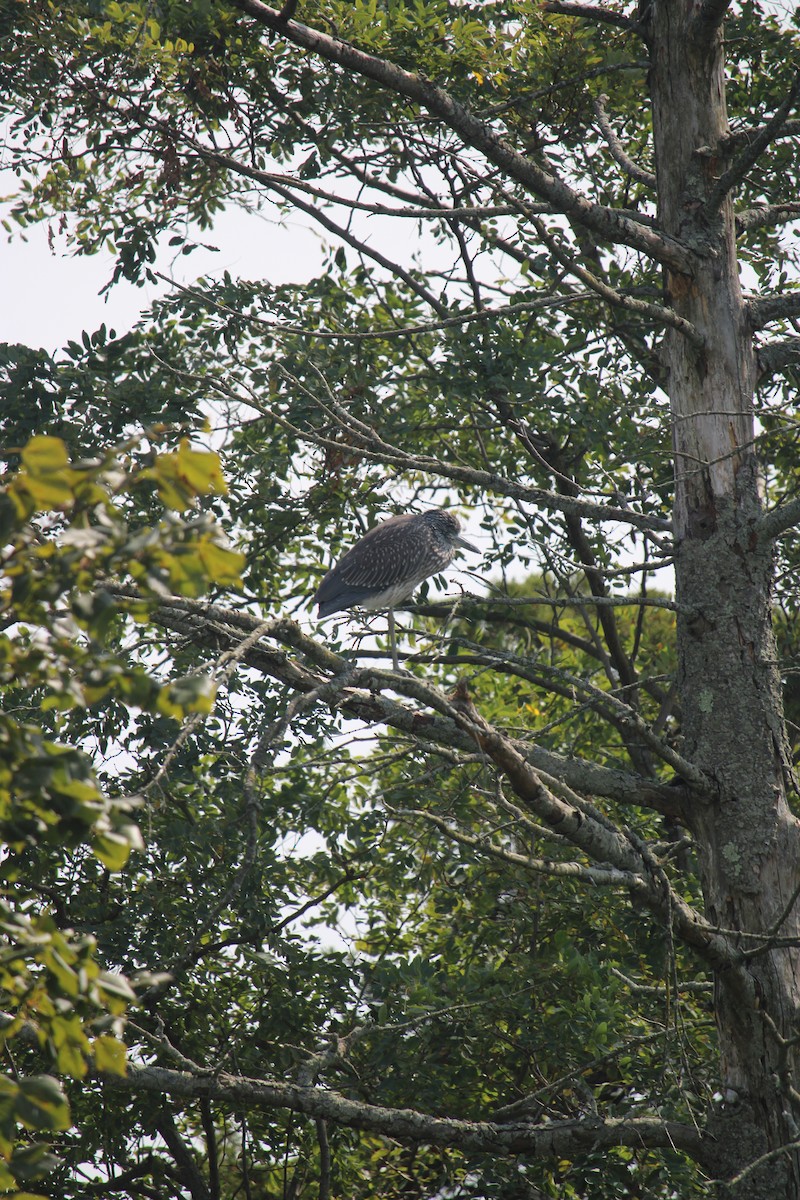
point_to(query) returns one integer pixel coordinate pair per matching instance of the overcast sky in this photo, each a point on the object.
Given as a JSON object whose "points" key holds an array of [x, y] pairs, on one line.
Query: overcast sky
{"points": [[49, 297]]}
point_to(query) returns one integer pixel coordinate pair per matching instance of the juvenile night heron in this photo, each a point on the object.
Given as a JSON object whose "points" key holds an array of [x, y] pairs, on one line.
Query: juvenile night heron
{"points": [[389, 563]]}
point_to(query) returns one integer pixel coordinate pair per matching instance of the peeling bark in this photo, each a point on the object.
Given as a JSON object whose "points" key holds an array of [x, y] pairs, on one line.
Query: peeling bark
{"points": [[728, 679]]}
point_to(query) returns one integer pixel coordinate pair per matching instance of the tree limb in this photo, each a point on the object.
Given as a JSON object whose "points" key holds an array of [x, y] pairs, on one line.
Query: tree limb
{"points": [[366, 335], [359, 694], [752, 152], [656, 312], [190, 1175], [558, 1139], [743, 137], [607, 223], [779, 520], [765, 216], [618, 152], [591, 12], [207, 624], [763, 310], [774, 356], [372, 445], [606, 876]]}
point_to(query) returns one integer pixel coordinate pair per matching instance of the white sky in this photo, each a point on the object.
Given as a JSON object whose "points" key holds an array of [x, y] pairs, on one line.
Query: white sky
{"points": [[48, 297]]}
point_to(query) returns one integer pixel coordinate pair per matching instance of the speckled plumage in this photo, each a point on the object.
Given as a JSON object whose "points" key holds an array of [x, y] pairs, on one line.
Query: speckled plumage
{"points": [[387, 565]]}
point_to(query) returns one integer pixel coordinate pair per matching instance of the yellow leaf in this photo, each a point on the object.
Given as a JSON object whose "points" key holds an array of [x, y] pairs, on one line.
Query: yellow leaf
{"points": [[44, 454], [48, 480], [201, 470], [109, 1054], [223, 566]]}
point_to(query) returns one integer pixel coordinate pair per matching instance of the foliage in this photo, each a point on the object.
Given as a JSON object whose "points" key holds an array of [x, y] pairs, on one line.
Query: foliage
{"points": [[65, 527], [336, 884]]}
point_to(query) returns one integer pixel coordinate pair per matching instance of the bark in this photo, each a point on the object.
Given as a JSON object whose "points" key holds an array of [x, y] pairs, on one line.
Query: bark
{"points": [[607, 224], [556, 1139], [728, 679]]}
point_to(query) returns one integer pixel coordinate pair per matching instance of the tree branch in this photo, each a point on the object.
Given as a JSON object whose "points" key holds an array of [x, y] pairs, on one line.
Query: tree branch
{"points": [[655, 312], [357, 692], [366, 335], [766, 215], [344, 235], [618, 152], [370, 444], [763, 310], [591, 12], [559, 1139], [475, 132], [779, 520], [605, 876], [774, 356], [189, 1171], [752, 152], [743, 137], [209, 624]]}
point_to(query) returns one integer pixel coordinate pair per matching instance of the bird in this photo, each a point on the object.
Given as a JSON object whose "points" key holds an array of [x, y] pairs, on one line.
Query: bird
{"points": [[386, 565]]}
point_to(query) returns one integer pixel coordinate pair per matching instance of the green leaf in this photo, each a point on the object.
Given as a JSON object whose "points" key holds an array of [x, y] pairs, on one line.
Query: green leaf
{"points": [[42, 1105]]}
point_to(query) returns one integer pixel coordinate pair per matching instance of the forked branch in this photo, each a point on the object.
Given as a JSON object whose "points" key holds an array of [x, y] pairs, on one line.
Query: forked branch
{"points": [[474, 131], [751, 153]]}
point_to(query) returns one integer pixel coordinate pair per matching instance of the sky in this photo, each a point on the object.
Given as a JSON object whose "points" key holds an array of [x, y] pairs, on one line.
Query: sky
{"points": [[49, 297]]}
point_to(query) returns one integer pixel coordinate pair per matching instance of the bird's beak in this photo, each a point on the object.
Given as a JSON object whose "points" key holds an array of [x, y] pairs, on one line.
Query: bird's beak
{"points": [[465, 545]]}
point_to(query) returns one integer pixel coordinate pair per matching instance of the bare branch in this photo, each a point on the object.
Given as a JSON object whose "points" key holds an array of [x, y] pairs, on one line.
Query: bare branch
{"points": [[607, 876], [765, 216], [364, 248], [591, 12], [618, 152], [655, 312], [763, 310], [359, 694], [743, 137], [752, 152], [780, 520], [774, 356], [211, 625], [355, 335], [473, 130], [370, 444], [558, 1139], [189, 1171]]}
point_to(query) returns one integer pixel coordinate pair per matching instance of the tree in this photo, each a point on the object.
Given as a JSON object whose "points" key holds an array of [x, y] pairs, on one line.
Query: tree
{"points": [[559, 849]]}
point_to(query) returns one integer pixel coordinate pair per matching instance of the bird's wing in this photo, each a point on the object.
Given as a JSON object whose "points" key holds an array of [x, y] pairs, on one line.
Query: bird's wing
{"points": [[387, 555]]}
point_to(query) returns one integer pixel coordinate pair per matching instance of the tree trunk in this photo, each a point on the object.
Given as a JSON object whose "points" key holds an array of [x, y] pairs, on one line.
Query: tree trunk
{"points": [[728, 678]]}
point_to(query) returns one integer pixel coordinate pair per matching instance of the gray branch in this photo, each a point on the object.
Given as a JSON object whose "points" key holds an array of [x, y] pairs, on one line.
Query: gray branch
{"points": [[618, 152], [780, 520], [774, 356], [743, 137], [766, 215], [764, 310], [554, 1139], [359, 692], [208, 623], [591, 12], [750, 154], [608, 224], [190, 1174]]}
